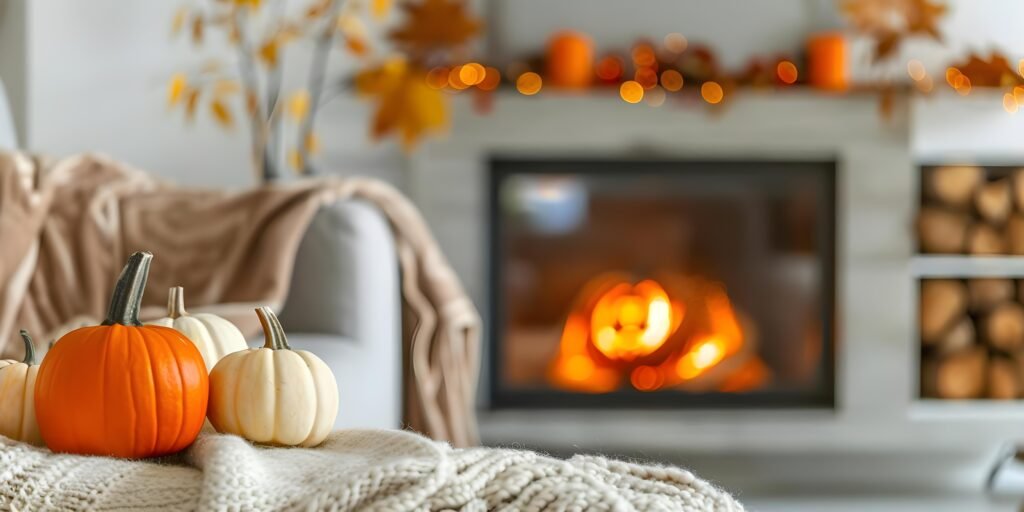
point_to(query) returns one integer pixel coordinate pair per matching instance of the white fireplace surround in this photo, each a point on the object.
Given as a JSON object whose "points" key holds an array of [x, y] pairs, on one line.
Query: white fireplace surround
{"points": [[878, 419]]}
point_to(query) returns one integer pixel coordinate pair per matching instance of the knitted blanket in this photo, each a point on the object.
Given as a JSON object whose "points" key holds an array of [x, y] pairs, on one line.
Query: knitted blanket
{"points": [[352, 470]]}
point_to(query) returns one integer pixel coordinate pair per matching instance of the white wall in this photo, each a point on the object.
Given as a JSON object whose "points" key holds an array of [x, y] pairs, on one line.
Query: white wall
{"points": [[739, 29], [734, 28], [13, 71], [98, 78]]}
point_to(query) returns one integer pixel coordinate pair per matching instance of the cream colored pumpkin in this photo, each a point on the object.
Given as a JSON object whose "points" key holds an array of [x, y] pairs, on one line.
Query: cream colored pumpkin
{"points": [[273, 394], [17, 397], [214, 336]]}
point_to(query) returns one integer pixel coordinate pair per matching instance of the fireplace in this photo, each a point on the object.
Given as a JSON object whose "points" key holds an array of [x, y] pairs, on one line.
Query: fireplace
{"points": [[661, 284], [866, 402]]}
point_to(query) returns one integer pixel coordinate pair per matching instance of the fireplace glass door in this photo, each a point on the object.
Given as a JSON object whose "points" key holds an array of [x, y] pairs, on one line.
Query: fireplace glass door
{"points": [[661, 284]]}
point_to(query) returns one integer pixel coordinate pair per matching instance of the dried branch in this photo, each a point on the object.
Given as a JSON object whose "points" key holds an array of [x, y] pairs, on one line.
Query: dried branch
{"points": [[265, 168], [274, 79], [317, 77], [338, 88]]}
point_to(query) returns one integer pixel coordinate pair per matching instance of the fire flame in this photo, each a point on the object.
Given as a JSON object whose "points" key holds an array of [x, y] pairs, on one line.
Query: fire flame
{"points": [[633, 321], [711, 349], [627, 332]]}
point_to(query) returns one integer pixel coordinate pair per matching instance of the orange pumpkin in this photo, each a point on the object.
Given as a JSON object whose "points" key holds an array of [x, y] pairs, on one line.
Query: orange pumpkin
{"points": [[122, 389]]}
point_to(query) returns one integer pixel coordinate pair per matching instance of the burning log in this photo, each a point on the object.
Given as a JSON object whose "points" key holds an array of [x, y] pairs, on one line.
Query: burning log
{"points": [[944, 231], [953, 186], [1004, 327], [962, 375], [986, 293], [984, 239], [993, 201], [943, 301]]}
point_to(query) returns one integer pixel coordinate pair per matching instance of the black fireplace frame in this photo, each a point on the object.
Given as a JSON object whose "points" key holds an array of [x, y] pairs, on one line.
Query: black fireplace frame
{"points": [[823, 397]]}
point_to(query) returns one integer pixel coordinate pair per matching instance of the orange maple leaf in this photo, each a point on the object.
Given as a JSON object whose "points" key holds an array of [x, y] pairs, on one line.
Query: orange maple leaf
{"points": [[433, 25], [889, 22], [405, 103]]}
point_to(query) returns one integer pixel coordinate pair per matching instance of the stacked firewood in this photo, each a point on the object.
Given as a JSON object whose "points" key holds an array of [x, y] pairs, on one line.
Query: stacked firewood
{"points": [[967, 210], [972, 338], [972, 330]]}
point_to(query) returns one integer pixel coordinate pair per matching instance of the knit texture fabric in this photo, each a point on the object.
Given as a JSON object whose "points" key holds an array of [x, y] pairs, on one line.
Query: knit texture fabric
{"points": [[351, 470]]}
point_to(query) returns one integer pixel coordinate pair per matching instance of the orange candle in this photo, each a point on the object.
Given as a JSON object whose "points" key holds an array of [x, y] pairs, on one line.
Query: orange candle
{"points": [[828, 61], [570, 60]]}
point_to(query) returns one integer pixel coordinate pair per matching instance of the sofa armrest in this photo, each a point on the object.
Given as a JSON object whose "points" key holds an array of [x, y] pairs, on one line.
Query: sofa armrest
{"points": [[345, 280], [345, 306]]}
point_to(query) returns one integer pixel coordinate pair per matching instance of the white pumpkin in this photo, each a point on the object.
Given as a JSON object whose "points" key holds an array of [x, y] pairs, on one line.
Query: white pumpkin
{"points": [[214, 336], [17, 397], [273, 394]]}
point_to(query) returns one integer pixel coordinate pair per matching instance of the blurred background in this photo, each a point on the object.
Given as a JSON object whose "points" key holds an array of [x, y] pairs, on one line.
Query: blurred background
{"points": [[778, 242]]}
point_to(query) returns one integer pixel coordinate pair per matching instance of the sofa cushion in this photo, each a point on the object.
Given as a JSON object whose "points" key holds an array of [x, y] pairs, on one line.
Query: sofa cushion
{"points": [[369, 378], [346, 275]]}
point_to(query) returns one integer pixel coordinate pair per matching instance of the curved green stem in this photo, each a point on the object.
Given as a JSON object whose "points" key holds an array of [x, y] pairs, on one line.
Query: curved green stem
{"points": [[176, 302], [127, 296], [30, 348], [273, 333]]}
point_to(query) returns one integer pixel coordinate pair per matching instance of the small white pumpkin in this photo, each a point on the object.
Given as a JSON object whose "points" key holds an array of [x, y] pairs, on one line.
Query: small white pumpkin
{"points": [[273, 394], [17, 396], [214, 336]]}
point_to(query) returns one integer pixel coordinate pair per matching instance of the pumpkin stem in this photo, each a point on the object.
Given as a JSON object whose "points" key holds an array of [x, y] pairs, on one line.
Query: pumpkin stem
{"points": [[176, 302], [30, 348], [273, 333], [127, 296]]}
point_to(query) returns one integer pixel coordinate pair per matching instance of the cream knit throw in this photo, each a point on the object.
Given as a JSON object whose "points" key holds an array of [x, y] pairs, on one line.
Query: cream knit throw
{"points": [[352, 470]]}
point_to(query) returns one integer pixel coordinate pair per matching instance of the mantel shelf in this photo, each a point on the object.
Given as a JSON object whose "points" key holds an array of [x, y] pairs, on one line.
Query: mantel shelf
{"points": [[956, 265]]}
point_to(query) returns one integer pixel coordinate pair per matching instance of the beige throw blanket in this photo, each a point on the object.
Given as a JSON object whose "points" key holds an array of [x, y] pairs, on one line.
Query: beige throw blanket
{"points": [[352, 470], [67, 227]]}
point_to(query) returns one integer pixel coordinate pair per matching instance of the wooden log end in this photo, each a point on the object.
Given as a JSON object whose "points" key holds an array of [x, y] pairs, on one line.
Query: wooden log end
{"points": [[1003, 380], [953, 186], [985, 240], [962, 375], [943, 231], [993, 201], [986, 293], [943, 302], [1004, 327]]}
